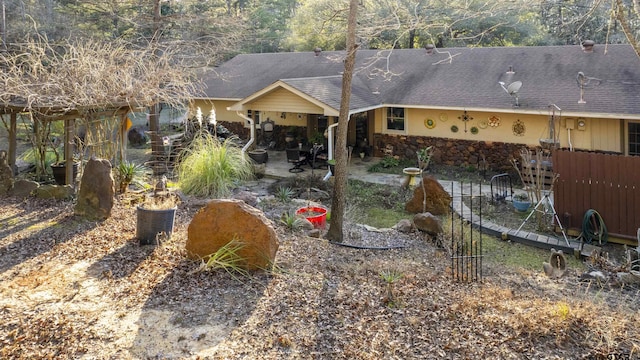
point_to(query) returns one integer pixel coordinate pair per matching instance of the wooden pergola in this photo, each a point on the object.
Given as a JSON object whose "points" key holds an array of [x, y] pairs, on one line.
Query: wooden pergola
{"points": [[48, 114], [88, 80]]}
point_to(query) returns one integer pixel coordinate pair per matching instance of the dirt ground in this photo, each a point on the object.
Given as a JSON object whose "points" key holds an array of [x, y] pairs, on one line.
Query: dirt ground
{"points": [[76, 289], [70, 288]]}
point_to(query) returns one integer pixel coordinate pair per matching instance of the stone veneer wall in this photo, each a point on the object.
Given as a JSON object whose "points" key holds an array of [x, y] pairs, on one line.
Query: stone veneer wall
{"points": [[452, 151]]}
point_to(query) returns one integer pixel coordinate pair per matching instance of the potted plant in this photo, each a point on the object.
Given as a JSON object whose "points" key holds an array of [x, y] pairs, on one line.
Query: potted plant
{"points": [[155, 217], [521, 202]]}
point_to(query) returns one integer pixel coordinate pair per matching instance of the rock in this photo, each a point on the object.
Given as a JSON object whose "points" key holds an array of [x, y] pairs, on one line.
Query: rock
{"points": [[247, 197], [136, 136], [557, 264], [23, 188], [428, 223], [60, 192], [437, 201], [404, 226], [224, 220], [314, 233], [6, 174], [95, 198], [304, 224]]}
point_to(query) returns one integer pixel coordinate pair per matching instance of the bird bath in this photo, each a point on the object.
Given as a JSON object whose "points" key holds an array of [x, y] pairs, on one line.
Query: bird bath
{"points": [[412, 173]]}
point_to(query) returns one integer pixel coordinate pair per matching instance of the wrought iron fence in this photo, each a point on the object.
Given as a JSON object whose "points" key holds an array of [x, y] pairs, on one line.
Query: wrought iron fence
{"points": [[466, 244]]}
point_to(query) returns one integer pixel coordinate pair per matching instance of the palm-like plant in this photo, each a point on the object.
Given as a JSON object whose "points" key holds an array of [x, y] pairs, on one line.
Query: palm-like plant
{"points": [[127, 173]]}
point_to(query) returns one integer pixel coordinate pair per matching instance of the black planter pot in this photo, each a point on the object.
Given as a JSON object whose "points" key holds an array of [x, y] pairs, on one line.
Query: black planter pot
{"points": [[259, 156], [59, 172], [151, 222]]}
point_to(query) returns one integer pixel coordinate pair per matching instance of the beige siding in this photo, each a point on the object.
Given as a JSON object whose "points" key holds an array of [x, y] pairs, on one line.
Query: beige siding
{"points": [[605, 134], [283, 100]]}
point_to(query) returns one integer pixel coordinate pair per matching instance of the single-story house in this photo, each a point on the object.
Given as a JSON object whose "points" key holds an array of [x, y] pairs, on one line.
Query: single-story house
{"points": [[471, 103]]}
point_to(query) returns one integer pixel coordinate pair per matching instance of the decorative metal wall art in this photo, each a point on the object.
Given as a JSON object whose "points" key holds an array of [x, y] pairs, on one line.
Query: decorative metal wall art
{"points": [[518, 128], [429, 123], [494, 121], [465, 118]]}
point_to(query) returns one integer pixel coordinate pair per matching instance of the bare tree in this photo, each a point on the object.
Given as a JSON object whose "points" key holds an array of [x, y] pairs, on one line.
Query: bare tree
{"points": [[338, 201], [624, 16]]}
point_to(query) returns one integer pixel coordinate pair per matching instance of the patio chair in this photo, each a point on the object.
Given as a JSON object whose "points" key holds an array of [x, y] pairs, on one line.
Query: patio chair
{"points": [[319, 156], [294, 156]]}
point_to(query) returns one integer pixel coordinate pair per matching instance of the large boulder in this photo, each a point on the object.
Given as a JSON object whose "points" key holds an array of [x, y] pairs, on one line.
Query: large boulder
{"points": [[59, 192], [6, 173], [224, 220], [23, 188], [95, 198], [437, 200], [428, 223]]}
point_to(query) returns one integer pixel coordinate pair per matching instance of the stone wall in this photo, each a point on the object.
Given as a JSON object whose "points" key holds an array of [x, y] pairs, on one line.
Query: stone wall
{"points": [[452, 151]]}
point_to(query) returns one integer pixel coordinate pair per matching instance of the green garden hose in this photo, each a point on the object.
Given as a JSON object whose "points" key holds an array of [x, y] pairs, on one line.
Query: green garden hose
{"points": [[593, 227]]}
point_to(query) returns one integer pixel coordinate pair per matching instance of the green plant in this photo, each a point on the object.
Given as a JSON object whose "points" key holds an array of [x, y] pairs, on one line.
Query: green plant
{"points": [[389, 161], [284, 194], [128, 172], [209, 167], [390, 277], [521, 197], [424, 157], [228, 258], [317, 138], [292, 221]]}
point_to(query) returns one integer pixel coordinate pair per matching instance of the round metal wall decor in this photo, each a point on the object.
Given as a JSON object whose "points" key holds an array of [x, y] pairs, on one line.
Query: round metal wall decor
{"points": [[518, 128], [454, 128], [429, 123], [482, 124], [494, 121], [443, 117], [474, 130]]}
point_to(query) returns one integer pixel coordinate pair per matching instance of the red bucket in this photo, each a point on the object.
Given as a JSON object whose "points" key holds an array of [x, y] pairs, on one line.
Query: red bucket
{"points": [[316, 215]]}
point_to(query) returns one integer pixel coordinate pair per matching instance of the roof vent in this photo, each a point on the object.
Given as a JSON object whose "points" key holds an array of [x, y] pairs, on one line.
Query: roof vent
{"points": [[429, 48], [510, 71], [317, 51], [587, 45]]}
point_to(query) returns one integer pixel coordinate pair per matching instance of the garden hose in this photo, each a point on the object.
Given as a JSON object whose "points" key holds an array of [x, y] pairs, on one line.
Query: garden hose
{"points": [[593, 227]]}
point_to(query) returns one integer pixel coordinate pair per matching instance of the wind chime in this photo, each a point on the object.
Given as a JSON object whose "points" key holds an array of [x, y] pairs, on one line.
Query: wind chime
{"points": [[465, 117]]}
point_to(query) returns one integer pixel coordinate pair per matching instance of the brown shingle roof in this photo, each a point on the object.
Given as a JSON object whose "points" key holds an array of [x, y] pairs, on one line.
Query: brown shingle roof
{"points": [[452, 77]]}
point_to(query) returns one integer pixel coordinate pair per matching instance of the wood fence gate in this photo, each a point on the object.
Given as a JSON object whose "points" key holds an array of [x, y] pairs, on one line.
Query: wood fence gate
{"points": [[609, 184]]}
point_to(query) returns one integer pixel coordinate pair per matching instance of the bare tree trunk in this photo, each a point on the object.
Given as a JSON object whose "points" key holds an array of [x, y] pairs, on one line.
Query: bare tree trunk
{"points": [[338, 201], [3, 27]]}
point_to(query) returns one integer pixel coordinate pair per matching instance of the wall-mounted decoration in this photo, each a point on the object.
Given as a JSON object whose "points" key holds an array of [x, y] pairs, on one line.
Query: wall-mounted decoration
{"points": [[429, 123], [482, 124], [465, 119], [474, 130], [494, 121], [454, 128], [299, 116], [443, 117], [518, 128]]}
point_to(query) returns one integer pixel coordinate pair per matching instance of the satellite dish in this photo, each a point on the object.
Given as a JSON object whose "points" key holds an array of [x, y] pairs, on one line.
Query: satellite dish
{"points": [[514, 87]]}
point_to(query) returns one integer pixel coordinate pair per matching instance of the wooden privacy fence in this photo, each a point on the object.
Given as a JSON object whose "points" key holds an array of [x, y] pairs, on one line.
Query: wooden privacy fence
{"points": [[609, 184]]}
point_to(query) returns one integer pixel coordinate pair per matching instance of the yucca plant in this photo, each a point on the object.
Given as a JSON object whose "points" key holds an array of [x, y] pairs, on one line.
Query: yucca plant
{"points": [[211, 168], [284, 194], [128, 172], [390, 277], [291, 220]]}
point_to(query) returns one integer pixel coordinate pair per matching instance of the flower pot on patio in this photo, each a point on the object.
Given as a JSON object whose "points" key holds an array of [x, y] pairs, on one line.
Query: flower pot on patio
{"points": [[316, 215], [521, 204], [260, 156]]}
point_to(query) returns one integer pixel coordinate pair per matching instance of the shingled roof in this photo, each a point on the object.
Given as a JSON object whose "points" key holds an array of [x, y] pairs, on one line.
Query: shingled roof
{"points": [[451, 78]]}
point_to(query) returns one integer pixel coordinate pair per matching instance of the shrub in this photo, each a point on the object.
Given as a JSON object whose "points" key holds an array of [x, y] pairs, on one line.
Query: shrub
{"points": [[210, 167]]}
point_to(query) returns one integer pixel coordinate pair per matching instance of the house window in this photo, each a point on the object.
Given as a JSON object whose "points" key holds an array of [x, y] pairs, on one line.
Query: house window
{"points": [[634, 138], [396, 121], [255, 115]]}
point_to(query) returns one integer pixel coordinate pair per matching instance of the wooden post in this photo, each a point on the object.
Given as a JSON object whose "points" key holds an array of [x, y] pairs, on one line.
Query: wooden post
{"points": [[68, 151], [13, 144]]}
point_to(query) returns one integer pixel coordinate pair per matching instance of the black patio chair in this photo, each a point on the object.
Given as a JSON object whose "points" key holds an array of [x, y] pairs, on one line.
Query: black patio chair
{"points": [[319, 156], [294, 156]]}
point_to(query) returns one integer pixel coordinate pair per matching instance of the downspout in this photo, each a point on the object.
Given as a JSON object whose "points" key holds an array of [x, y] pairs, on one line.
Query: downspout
{"points": [[253, 131], [330, 143], [569, 139]]}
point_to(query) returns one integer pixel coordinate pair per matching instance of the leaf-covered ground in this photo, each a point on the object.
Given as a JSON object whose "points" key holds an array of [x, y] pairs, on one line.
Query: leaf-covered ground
{"points": [[76, 289]]}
